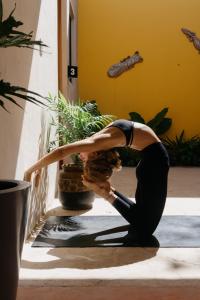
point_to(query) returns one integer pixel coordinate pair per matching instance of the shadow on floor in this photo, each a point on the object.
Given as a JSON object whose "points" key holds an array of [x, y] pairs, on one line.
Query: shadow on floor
{"points": [[98, 255], [92, 258]]}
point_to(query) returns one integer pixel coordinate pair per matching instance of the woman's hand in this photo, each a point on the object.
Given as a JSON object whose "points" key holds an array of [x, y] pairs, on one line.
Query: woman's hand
{"points": [[102, 188], [27, 176]]}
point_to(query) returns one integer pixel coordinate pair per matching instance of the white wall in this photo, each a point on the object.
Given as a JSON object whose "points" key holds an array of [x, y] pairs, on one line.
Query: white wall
{"points": [[23, 134]]}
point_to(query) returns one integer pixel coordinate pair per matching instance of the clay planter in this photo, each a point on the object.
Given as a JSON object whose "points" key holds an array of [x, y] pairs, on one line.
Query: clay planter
{"points": [[72, 193], [14, 211]]}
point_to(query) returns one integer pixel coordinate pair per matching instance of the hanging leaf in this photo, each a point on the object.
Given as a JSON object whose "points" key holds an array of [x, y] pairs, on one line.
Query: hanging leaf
{"points": [[153, 123], [10, 37], [7, 92]]}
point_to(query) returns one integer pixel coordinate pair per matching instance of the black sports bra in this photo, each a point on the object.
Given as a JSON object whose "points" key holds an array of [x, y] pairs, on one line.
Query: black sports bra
{"points": [[126, 127]]}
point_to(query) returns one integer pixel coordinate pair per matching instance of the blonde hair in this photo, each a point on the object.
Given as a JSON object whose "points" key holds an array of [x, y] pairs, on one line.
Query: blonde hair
{"points": [[100, 167]]}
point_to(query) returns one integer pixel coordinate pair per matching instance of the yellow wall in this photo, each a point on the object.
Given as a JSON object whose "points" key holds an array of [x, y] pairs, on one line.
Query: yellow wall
{"points": [[169, 76]]}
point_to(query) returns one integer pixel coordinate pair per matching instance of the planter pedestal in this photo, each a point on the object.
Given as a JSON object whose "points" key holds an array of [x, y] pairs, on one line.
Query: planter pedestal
{"points": [[13, 219]]}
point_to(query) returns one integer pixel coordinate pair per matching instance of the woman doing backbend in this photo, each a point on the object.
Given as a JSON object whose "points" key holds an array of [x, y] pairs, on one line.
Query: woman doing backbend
{"points": [[151, 172]]}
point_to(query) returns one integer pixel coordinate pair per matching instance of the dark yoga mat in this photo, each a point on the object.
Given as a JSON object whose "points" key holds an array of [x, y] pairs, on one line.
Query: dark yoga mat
{"points": [[112, 231]]}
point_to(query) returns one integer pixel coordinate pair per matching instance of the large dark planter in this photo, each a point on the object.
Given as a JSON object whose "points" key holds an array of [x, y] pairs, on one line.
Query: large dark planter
{"points": [[72, 194], [13, 219]]}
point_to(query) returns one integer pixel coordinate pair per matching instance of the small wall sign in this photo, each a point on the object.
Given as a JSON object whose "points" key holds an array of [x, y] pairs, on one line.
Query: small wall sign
{"points": [[72, 72]]}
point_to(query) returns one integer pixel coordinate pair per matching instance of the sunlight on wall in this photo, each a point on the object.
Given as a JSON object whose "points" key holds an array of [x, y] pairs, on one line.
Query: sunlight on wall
{"points": [[34, 139], [169, 75]]}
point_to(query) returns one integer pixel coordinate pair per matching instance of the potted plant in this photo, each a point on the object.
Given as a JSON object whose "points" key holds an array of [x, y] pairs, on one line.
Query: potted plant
{"points": [[75, 121], [9, 37], [13, 193]]}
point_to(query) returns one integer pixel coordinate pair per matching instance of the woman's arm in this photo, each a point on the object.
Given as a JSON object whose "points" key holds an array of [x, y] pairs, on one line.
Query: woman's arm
{"points": [[101, 141]]}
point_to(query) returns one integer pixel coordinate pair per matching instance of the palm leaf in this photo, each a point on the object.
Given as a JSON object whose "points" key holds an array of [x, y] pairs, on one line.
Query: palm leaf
{"points": [[10, 37], [76, 121], [164, 125], [7, 92], [153, 123]]}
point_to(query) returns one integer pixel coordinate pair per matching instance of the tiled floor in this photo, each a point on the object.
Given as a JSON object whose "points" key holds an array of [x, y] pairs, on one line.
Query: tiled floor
{"points": [[116, 273]]}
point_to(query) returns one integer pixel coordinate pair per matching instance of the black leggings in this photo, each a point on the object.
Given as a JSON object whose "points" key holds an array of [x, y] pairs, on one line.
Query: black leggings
{"points": [[151, 192]]}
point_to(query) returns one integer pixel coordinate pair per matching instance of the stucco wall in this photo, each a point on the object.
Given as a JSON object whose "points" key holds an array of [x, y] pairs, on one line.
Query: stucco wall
{"points": [[24, 133], [169, 75]]}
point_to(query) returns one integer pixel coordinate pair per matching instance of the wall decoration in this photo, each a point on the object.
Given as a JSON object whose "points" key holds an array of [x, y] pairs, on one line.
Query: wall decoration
{"points": [[192, 38], [124, 65]]}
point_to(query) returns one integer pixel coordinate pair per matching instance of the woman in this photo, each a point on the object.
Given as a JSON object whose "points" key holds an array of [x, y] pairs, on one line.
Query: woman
{"points": [[151, 172]]}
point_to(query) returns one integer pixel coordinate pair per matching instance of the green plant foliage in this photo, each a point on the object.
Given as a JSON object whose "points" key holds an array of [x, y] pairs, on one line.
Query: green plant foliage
{"points": [[91, 107], [154, 123], [10, 37], [136, 117], [163, 126], [182, 151], [7, 92], [160, 124], [76, 121]]}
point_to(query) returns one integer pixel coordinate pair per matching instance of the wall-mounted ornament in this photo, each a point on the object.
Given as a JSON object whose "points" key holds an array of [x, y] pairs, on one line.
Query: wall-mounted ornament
{"points": [[124, 65], [192, 38]]}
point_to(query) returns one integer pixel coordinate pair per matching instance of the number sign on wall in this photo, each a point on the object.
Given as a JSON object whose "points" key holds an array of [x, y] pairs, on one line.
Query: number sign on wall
{"points": [[72, 72]]}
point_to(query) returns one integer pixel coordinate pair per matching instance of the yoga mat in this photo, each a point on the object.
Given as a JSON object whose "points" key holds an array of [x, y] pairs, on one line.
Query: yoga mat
{"points": [[114, 231]]}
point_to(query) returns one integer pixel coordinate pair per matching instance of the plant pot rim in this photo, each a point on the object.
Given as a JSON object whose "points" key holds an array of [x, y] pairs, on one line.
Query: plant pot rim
{"points": [[20, 185]]}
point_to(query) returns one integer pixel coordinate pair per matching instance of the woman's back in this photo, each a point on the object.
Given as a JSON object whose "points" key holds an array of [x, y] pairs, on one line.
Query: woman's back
{"points": [[143, 136], [133, 134]]}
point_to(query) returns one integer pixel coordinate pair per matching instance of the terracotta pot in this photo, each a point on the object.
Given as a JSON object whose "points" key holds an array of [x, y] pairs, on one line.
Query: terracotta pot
{"points": [[13, 220], [72, 193]]}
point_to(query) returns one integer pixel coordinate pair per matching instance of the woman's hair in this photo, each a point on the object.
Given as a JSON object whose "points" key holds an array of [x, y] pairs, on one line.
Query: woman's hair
{"points": [[100, 167]]}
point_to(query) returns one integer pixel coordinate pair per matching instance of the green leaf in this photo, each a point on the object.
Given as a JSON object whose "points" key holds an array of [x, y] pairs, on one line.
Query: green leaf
{"points": [[164, 125], [7, 92], [91, 107], [153, 123], [73, 121], [136, 117], [182, 151], [10, 37], [180, 139]]}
